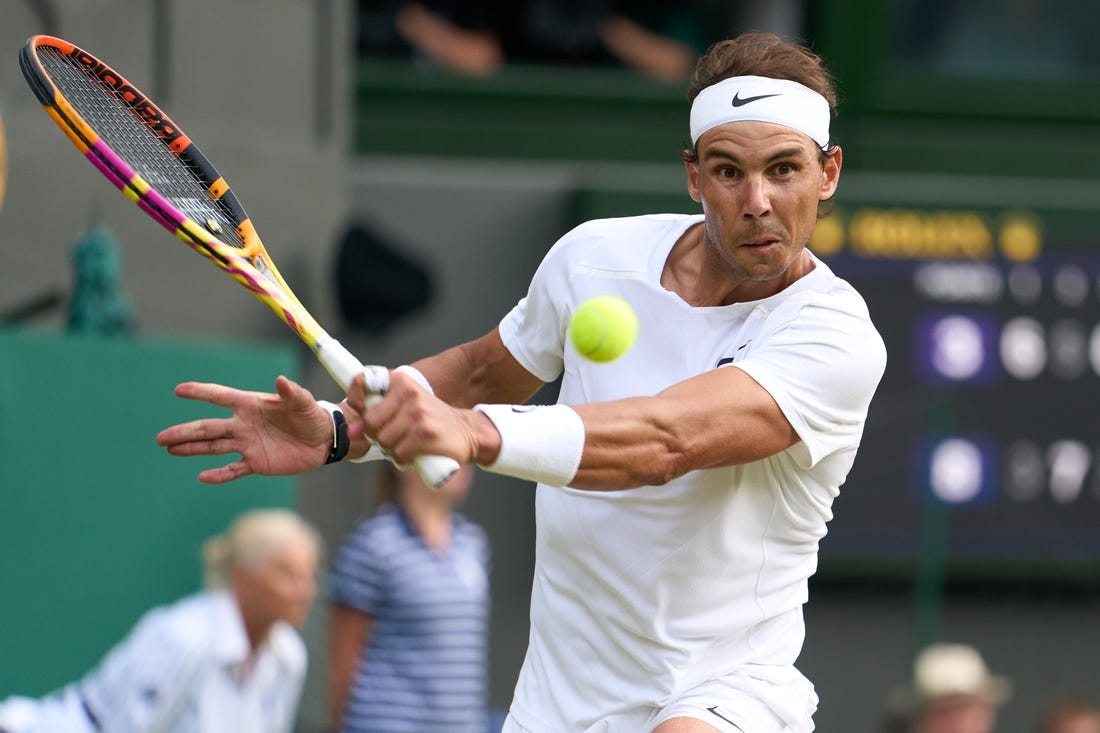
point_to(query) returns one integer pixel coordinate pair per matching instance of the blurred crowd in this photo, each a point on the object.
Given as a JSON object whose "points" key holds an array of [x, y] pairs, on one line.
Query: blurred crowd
{"points": [[660, 40], [952, 690]]}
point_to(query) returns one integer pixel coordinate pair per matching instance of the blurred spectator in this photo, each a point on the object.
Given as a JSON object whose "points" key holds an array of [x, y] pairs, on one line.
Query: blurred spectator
{"points": [[952, 691], [659, 39], [408, 632], [1020, 39], [454, 34], [1070, 715], [458, 36], [228, 653]]}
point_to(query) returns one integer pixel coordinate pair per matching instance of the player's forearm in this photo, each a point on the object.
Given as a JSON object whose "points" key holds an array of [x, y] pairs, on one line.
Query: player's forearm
{"points": [[604, 447], [480, 371], [718, 419], [629, 443]]}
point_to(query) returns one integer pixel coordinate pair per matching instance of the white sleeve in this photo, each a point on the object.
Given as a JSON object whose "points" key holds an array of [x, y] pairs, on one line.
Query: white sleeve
{"points": [[144, 679], [821, 364], [534, 330], [61, 710]]}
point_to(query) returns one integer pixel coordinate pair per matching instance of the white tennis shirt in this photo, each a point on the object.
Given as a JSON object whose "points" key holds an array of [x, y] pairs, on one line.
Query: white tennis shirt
{"points": [[642, 594]]}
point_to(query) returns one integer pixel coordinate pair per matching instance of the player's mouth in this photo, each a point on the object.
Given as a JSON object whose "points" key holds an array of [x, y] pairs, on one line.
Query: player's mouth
{"points": [[760, 242]]}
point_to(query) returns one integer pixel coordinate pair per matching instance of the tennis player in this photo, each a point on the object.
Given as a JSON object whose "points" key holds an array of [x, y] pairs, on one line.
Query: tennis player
{"points": [[682, 489]]}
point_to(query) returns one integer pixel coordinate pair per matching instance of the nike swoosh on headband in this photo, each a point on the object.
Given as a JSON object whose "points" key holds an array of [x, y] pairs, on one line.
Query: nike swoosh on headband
{"points": [[738, 102]]}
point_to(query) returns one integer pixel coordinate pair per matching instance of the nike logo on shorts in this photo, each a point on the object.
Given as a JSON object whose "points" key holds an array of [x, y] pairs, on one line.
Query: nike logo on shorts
{"points": [[714, 708]]}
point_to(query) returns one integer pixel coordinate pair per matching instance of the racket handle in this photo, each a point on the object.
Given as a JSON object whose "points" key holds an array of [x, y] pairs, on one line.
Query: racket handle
{"points": [[435, 470], [342, 365]]}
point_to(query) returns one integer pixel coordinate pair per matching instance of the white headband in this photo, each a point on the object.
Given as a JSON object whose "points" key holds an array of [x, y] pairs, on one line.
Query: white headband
{"points": [[760, 99]]}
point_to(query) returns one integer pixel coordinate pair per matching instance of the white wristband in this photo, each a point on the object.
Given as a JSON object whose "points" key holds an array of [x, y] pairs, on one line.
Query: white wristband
{"points": [[537, 443]]}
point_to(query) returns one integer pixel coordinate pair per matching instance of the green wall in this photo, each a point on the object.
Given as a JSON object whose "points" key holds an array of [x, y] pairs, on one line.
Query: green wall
{"points": [[98, 523]]}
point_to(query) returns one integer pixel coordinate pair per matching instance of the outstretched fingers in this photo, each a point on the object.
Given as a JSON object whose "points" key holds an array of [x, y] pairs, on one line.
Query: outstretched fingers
{"points": [[295, 398], [225, 474], [215, 394], [198, 437]]}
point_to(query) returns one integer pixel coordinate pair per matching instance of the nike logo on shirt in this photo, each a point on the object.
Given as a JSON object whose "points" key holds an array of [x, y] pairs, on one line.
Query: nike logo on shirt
{"points": [[730, 359], [739, 102], [714, 710]]}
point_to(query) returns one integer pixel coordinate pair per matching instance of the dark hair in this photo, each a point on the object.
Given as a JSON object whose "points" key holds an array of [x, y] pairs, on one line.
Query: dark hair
{"points": [[761, 54]]}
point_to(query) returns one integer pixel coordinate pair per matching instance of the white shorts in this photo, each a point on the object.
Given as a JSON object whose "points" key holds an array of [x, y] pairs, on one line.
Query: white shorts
{"points": [[754, 699]]}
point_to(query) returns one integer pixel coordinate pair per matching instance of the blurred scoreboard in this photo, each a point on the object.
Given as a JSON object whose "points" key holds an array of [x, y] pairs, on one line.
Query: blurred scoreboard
{"points": [[986, 418]]}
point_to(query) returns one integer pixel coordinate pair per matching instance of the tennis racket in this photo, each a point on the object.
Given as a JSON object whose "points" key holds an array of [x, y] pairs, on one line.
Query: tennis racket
{"points": [[155, 164]]}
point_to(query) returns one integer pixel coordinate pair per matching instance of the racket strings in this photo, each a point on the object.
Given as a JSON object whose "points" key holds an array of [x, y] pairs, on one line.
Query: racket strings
{"points": [[120, 126]]}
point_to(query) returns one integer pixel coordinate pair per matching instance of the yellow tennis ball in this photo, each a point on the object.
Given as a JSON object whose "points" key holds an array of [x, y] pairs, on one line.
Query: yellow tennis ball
{"points": [[603, 328]]}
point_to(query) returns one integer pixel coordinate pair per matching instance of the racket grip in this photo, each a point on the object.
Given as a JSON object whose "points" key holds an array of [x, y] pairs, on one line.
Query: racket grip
{"points": [[434, 470], [342, 365]]}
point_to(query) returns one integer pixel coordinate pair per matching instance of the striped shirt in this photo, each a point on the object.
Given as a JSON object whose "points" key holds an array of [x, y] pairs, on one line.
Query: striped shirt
{"points": [[425, 665]]}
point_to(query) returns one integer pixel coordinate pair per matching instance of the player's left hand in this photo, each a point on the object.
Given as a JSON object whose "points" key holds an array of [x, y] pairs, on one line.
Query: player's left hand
{"points": [[281, 434]]}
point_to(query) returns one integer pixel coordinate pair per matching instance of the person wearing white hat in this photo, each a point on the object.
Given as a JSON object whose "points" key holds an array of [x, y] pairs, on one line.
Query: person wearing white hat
{"points": [[952, 691]]}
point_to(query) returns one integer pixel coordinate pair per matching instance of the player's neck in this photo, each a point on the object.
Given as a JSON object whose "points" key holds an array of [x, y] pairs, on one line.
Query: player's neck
{"points": [[697, 273]]}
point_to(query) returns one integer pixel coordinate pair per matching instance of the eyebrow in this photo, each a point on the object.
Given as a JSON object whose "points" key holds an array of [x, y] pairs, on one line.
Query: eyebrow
{"points": [[785, 153]]}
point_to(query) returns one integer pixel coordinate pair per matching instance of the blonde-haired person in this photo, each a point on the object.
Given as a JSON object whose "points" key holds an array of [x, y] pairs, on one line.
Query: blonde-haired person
{"points": [[227, 658]]}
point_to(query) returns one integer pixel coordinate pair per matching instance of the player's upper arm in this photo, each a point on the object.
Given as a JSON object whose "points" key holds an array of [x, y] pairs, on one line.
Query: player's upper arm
{"points": [[805, 387], [822, 371]]}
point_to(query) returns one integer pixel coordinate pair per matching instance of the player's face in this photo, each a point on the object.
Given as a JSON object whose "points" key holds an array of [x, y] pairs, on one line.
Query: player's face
{"points": [[760, 185]]}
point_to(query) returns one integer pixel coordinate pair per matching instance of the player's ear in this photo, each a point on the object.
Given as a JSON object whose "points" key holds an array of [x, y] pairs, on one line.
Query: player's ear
{"points": [[693, 180], [830, 173]]}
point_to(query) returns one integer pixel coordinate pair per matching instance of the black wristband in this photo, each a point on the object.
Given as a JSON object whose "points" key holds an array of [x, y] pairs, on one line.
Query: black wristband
{"points": [[340, 441]]}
